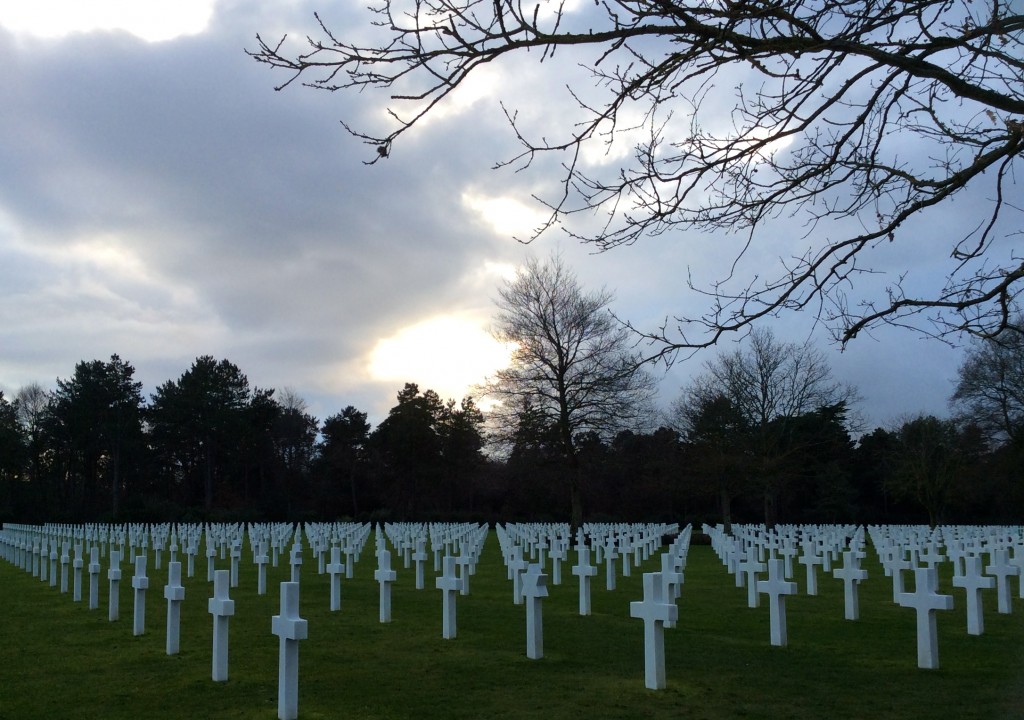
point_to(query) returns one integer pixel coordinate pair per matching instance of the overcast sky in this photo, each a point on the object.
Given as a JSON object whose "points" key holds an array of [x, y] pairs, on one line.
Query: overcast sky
{"points": [[158, 200]]}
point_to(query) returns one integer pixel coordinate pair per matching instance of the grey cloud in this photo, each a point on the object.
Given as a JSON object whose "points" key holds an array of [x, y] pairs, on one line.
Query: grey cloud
{"points": [[262, 236]]}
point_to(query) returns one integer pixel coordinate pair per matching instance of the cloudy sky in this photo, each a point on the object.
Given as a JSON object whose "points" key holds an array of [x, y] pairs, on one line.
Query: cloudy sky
{"points": [[158, 200]]}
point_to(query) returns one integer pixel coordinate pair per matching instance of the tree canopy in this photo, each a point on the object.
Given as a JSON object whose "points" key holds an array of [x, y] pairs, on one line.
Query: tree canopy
{"points": [[209, 446], [758, 409], [858, 122]]}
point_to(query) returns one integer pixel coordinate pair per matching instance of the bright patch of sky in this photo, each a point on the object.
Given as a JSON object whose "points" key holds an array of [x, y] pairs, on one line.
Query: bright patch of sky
{"points": [[483, 83], [151, 20], [447, 354], [506, 216]]}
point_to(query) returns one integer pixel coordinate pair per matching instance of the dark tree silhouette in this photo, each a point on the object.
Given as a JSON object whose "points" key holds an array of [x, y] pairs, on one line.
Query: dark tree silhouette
{"points": [[926, 464], [94, 420], [719, 435], [573, 368], [13, 450], [343, 452], [32, 402], [770, 386], [990, 386], [199, 425]]}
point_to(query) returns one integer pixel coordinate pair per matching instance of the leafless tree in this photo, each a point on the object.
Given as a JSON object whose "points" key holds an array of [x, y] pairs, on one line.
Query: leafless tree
{"points": [[766, 387], [289, 399], [33, 400], [32, 403], [990, 387], [862, 120], [572, 363]]}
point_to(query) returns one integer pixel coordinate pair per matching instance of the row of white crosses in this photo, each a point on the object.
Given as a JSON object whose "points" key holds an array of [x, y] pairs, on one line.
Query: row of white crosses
{"points": [[545, 544], [900, 548], [658, 609], [965, 547], [744, 552], [16, 544], [288, 625], [460, 548], [522, 544]]}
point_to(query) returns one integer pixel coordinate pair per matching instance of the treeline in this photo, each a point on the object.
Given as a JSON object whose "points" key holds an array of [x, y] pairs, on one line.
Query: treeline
{"points": [[208, 446]]}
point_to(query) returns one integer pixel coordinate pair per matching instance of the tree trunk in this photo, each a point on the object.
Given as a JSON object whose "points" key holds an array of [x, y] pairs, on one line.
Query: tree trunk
{"points": [[725, 501], [115, 483], [208, 484], [575, 496], [576, 500], [770, 507], [352, 484]]}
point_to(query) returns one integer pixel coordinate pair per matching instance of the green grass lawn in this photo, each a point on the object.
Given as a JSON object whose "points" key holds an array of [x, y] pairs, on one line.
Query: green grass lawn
{"points": [[61, 660]]}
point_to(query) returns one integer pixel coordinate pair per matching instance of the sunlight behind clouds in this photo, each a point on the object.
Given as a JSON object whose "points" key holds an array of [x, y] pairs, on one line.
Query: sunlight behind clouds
{"points": [[507, 216], [447, 353], [150, 20], [481, 83]]}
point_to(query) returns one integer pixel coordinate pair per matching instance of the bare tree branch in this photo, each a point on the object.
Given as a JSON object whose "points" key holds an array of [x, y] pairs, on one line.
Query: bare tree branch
{"points": [[877, 111]]}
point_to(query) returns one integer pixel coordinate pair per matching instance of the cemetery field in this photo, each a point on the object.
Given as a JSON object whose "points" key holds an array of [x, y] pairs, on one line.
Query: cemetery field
{"points": [[61, 660]]}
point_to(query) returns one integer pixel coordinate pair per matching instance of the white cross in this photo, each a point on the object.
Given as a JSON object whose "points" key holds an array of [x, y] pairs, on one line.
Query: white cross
{"points": [[557, 555], [236, 555], [1017, 559], [94, 578], [788, 552], [174, 593], [895, 567], [77, 565], [335, 569], [516, 567], [535, 588], [851, 575], [290, 628], [926, 601], [1003, 571], [140, 582], [211, 559], [750, 567], [584, 570], [465, 563], [222, 608], [114, 576], [735, 553], [54, 556], [931, 556], [261, 564], [350, 555], [420, 558], [811, 559], [625, 548], [295, 561], [973, 582], [384, 575], [655, 612], [450, 585], [609, 570], [671, 578], [777, 588], [64, 568], [542, 551]]}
